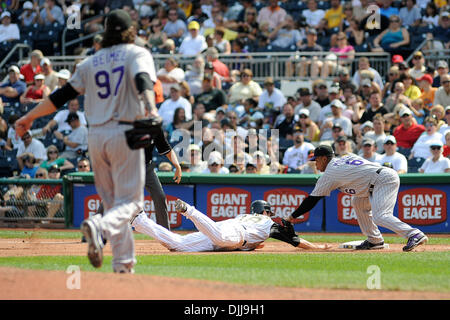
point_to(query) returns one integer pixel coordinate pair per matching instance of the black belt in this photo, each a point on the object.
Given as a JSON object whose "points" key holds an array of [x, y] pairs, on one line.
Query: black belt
{"points": [[372, 186]]}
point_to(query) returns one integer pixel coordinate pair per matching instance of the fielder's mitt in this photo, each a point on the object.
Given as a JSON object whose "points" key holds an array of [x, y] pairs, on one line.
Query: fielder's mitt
{"points": [[141, 134]]}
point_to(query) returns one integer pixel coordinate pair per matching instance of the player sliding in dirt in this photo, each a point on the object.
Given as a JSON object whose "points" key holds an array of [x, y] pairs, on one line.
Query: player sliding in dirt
{"points": [[245, 232]]}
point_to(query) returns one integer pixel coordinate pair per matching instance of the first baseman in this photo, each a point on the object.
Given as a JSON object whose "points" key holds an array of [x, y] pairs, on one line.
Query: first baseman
{"points": [[245, 232], [113, 80], [374, 189]]}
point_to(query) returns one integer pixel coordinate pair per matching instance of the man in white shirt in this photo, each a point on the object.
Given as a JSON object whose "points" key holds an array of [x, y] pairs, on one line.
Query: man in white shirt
{"points": [[336, 108], [194, 43], [271, 98], [312, 14], [368, 151], [364, 64], [168, 107], [76, 141], [393, 158], [61, 116], [215, 164], [308, 103], [437, 163], [296, 156], [31, 145], [170, 75], [8, 31]]}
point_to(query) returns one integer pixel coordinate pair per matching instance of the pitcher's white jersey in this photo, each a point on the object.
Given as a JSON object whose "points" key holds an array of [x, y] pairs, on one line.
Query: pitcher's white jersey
{"points": [[350, 174], [107, 78]]}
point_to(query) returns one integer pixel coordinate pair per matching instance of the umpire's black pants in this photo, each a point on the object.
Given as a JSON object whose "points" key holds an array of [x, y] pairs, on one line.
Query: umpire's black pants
{"points": [[154, 187]]}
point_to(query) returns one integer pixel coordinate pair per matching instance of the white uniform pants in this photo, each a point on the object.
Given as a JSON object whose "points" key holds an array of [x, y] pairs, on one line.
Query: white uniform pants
{"points": [[378, 208], [213, 236], [119, 174]]}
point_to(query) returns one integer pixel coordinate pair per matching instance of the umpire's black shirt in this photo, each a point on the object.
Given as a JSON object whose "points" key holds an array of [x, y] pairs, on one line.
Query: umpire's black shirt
{"points": [[161, 144]]}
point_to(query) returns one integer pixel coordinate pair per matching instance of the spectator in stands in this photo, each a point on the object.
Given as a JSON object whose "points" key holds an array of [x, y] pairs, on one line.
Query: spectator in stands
{"points": [[244, 89], [32, 68], [250, 114], [271, 99], [248, 27], [364, 65], [386, 8], [342, 146], [355, 34], [170, 75], [28, 16], [378, 135], [61, 116], [344, 52], [368, 151], [308, 103], [83, 165], [194, 43], [210, 72], [286, 122], [173, 4], [325, 112], [179, 122], [337, 107], [12, 140], [76, 141], [393, 38], [53, 158], [212, 55], [334, 15], [320, 93], [35, 93], [442, 95], [308, 64], [51, 13], [441, 34], [29, 165], [33, 146], [411, 90], [442, 69], [438, 112], [419, 111], [157, 37], [197, 14], [309, 127], [392, 158], [212, 98], [236, 152], [63, 76], [418, 69], [260, 162], [168, 107], [215, 164], [8, 31], [446, 152], [410, 14], [51, 76], [436, 163], [194, 75], [446, 126], [199, 115], [407, 132], [13, 88], [421, 148], [285, 35], [91, 9], [392, 79], [397, 97], [272, 14], [195, 157], [118, 4], [175, 28], [296, 157], [375, 106], [313, 15], [50, 192], [345, 82], [220, 43], [428, 92]]}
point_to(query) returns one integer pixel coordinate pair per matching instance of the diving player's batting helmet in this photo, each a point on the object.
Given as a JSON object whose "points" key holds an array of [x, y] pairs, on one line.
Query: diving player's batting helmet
{"points": [[258, 206]]}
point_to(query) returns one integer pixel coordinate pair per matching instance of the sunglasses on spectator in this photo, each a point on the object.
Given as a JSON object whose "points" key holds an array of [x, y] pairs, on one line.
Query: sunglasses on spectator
{"points": [[244, 75], [435, 148], [81, 167], [417, 57], [446, 81], [50, 152], [341, 38], [367, 145], [393, 74], [395, 20], [251, 13], [39, 175], [429, 124], [303, 116], [389, 142], [447, 112]]}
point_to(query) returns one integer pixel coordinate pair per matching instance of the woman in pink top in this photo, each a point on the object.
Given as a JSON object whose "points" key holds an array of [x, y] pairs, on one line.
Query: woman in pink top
{"points": [[342, 55]]}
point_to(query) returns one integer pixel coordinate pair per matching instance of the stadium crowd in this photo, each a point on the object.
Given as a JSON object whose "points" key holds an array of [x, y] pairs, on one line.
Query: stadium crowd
{"points": [[235, 124]]}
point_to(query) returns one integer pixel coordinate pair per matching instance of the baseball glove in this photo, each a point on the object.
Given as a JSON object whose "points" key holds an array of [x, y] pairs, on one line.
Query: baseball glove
{"points": [[141, 134]]}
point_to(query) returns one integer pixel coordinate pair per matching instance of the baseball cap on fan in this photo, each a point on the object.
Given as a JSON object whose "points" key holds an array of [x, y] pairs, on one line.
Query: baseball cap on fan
{"points": [[322, 150], [118, 20]]}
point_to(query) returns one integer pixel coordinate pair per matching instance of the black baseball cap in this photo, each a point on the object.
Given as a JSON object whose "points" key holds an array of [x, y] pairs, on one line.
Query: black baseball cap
{"points": [[323, 150], [72, 116], [118, 20]]}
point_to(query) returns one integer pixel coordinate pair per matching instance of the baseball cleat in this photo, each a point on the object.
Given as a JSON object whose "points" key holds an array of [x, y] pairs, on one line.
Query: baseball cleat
{"points": [[94, 239], [414, 241], [123, 268], [180, 206], [366, 245]]}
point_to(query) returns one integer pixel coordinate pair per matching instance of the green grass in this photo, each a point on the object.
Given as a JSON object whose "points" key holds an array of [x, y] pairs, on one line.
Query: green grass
{"points": [[76, 234], [418, 271]]}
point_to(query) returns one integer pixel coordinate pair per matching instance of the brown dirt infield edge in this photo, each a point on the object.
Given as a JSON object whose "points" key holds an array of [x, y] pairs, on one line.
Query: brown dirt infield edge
{"points": [[21, 284]]}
